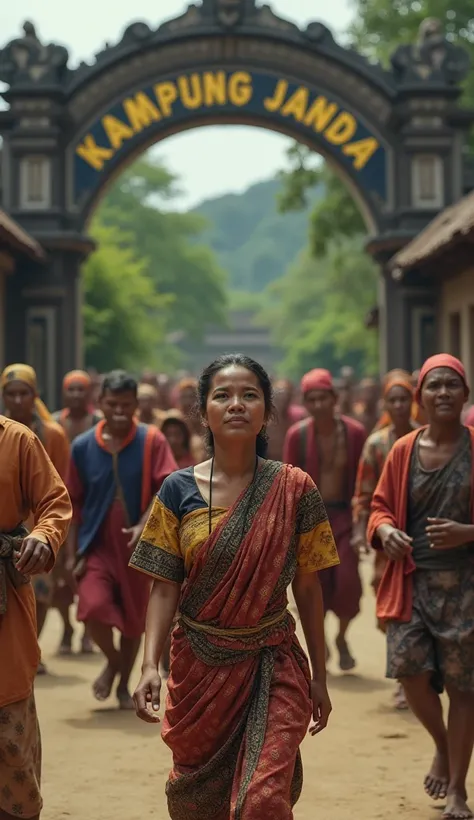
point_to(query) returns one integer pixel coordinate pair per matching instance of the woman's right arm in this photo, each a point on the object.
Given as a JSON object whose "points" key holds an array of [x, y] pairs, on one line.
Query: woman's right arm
{"points": [[162, 606]]}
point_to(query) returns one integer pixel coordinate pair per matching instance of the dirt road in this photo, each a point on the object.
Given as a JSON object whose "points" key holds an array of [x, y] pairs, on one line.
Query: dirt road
{"points": [[100, 764]]}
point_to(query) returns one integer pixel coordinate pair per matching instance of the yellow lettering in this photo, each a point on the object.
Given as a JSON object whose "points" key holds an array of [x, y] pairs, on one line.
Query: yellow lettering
{"points": [[93, 154], [320, 114], [240, 88], [275, 103], [116, 130], [342, 129], [362, 151], [166, 94], [297, 104], [141, 111], [215, 88], [191, 97]]}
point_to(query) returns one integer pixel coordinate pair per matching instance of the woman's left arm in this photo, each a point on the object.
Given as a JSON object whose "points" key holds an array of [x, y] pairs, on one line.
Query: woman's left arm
{"points": [[309, 600]]}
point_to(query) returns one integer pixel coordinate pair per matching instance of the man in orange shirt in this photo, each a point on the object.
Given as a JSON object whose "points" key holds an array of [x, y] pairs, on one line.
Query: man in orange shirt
{"points": [[30, 486]]}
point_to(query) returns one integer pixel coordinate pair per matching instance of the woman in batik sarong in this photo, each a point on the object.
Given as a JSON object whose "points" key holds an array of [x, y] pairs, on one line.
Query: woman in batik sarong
{"points": [[237, 529], [398, 401]]}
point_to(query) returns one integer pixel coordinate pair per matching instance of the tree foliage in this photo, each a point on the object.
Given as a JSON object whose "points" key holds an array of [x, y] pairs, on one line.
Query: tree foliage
{"points": [[335, 213], [124, 317], [178, 264], [151, 277], [317, 310]]}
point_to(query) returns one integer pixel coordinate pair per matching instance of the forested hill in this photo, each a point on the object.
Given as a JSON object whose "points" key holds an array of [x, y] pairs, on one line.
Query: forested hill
{"points": [[254, 242]]}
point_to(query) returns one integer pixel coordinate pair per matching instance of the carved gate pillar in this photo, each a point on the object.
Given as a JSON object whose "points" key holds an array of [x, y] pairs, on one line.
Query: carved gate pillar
{"points": [[429, 175], [43, 316]]}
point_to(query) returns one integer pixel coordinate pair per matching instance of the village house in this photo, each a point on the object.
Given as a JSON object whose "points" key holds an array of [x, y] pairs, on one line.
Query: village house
{"points": [[444, 254]]}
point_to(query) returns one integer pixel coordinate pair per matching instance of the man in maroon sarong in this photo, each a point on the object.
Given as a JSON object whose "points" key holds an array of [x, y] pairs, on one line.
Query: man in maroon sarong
{"points": [[116, 469], [328, 446], [287, 414]]}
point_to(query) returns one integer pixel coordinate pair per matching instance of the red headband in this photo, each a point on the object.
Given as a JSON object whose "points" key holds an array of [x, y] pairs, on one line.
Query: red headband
{"points": [[317, 379], [440, 360], [76, 377]]}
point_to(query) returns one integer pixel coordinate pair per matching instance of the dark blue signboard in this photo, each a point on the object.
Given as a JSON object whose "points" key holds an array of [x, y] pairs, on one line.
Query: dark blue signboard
{"points": [[203, 95]]}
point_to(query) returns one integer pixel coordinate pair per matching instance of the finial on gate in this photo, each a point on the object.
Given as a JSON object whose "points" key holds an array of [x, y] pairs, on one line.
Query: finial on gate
{"points": [[433, 58], [27, 61]]}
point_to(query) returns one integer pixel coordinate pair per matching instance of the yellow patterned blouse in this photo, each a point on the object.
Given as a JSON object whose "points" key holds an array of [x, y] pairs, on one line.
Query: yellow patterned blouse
{"points": [[179, 523]]}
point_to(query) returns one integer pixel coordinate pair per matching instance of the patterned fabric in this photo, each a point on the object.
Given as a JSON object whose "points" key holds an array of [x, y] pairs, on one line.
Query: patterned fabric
{"points": [[9, 544], [443, 493], [20, 759], [179, 524], [439, 638], [374, 455], [238, 701]]}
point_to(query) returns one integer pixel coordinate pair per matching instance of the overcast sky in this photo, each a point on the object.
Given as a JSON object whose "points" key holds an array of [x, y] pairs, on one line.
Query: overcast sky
{"points": [[85, 26]]}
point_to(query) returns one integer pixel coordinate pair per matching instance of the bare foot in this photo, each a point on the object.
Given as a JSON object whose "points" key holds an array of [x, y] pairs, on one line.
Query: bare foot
{"points": [[87, 647], [400, 701], [457, 808], [437, 779], [65, 647], [102, 687], [125, 699], [346, 661]]}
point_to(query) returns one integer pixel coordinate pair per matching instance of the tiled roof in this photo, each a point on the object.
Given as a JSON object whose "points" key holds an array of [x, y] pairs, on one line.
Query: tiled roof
{"points": [[449, 228], [16, 237]]}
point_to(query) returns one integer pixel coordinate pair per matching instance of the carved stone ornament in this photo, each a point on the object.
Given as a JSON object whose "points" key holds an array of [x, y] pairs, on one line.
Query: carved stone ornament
{"points": [[432, 59], [229, 13], [26, 60]]}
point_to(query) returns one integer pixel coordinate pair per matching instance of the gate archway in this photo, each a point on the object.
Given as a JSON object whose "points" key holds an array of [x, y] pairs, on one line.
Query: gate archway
{"points": [[396, 136]]}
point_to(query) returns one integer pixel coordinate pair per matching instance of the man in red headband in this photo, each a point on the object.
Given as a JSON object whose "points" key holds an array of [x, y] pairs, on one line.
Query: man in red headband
{"points": [[328, 447], [77, 416], [422, 517]]}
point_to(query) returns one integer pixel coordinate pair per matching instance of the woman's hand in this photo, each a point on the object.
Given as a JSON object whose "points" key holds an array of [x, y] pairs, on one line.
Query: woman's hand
{"points": [[396, 543], [444, 534], [322, 707], [147, 696]]}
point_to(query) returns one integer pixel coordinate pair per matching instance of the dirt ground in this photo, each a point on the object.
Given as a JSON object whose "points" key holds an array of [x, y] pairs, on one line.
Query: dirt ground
{"points": [[106, 765]]}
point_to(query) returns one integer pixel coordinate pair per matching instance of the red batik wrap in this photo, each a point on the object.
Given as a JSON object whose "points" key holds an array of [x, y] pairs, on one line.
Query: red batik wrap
{"points": [[239, 701]]}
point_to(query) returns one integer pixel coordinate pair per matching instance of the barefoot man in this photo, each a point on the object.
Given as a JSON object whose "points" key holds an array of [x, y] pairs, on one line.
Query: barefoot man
{"points": [[77, 416], [422, 516], [30, 487], [116, 469], [328, 447]]}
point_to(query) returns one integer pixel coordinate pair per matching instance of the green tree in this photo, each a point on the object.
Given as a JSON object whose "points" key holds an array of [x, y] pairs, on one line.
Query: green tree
{"points": [[124, 317], [317, 310], [176, 262], [334, 214]]}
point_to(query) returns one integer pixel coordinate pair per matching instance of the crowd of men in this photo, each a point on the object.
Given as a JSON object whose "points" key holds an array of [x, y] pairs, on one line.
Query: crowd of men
{"points": [[385, 486]]}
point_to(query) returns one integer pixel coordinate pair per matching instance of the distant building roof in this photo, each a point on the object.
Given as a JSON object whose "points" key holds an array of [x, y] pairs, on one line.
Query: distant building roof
{"points": [[452, 226], [18, 239]]}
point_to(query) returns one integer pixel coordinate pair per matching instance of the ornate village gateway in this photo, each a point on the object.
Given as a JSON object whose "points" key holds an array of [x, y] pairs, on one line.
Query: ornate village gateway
{"points": [[395, 136]]}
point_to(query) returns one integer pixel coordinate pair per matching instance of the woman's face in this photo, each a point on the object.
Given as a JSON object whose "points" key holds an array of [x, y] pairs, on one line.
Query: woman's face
{"points": [[235, 405], [19, 400], [398, 402], [443, 395], [175, 434]]}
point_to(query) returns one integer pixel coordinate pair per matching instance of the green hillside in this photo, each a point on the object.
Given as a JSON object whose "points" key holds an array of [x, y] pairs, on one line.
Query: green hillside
{"points": [[254, 242]]}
